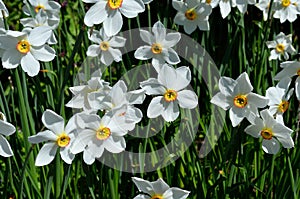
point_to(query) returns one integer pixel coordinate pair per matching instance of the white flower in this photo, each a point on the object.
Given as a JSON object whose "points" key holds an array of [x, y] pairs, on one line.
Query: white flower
{"points": [[109, 13], [158, 190], [225, 7], [159, 46], [282, 46], [192, 14], [58, 137], [85, 95], [264, 5], [20, 48], [52, 8], [4, 9], [271, 131], [236, 95], [106, 47], [170, 87], [290, 69], [41, 19], [279, 97], [97, 134], [286, 10], [6, 129], [243, 4]]}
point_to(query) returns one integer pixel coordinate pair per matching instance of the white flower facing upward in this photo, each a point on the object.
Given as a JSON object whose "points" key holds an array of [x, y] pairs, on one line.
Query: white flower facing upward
{"points": [[171, 93], [286, 10], [57, 137], [52, 8], [41, 19], [109, 13], [158, 190], [282, 46], [271, 131], [279, 97], [85, 95], [96, 134], [6, 129], [192, 14], [290, 69], [27, 50], [159, 46], [237, 96], [105, 47]]}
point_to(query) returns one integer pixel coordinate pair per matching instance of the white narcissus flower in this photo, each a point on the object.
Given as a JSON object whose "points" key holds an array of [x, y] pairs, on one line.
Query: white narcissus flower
{"points": [[192, 14], [109, 12], [27, 50], [97, 134], [57, 137], [286, 10], [271, 131], [158, 190], [290, 69], [237, 96], [106, 47], [170, 86], [85, 95], [159, 46], [6, 129], [40, 19], [282, 46], [52, 8], [279, 97], [119, 97]]}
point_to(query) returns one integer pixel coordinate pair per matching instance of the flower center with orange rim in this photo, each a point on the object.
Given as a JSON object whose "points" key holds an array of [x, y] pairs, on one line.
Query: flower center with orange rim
{"points": [[63, 140], [266, 133], [156, 48], [280, 48], [156, 196], [240, 101], [114, 4], [23, 46], [283, 106], [191, 13], [285, 3], [170, 95], [103, 133], [104, 46], [208, 1], [38, 7]]}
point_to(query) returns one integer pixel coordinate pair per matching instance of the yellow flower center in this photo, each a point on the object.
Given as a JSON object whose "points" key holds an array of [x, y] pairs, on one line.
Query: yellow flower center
{"points": [[266, 133], [38, 7], [208, 1], [115, 4], [23, 46], [156, 196], [298, 72], [280, 48], [191, 13], [104, 46], [170, 95], [240, 101], [63, 140], [156, 48], [285, 3], [283, 106], [103, 133]]}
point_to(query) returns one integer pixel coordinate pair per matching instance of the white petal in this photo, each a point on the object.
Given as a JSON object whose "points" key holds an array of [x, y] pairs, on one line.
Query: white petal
{"points": [[220, 100], [11, 58], [106, 58], [187, 99], [96, 14], [117, 42], [234, 117], [113, 24], [226, 85], [81, 141], [30, 65], [53, 121], [257, 100], [147, 37], [42, 136], [88, 157], [270, 146], [43, 53], [6, 128], [153, 87], [171, 39], [143, 53], [172, 57], [93, 50], [131, 8], [143, 185], [171, 111], [160, 186], [155, 107], [66, 155], [177, 193], [39, 35], [243, 85], [115, 144], [5, 149], [46, 154], [159, 31]]}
